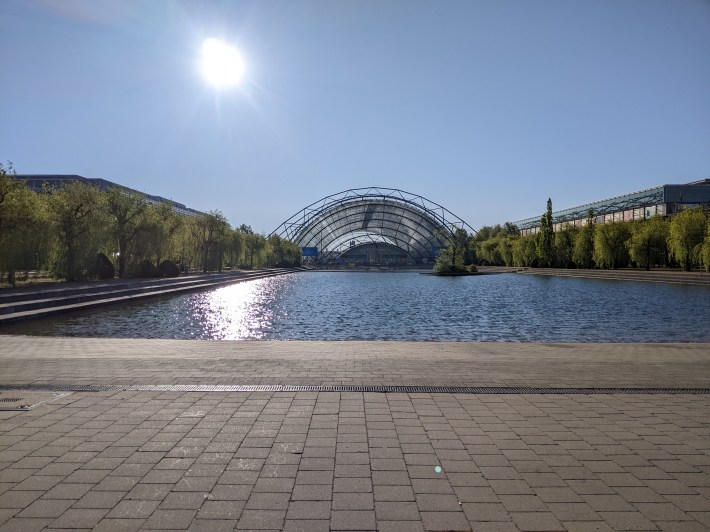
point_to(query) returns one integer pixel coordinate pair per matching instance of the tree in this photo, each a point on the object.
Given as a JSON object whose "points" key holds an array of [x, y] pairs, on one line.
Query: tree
{"points": [[254, 244], [281, 252], [76, 212], [705, 252], [489, 251], [686, 236], [583, 251], [235, 245], [524, 252], [648, 242], [610, 250], [564, 245], [505, 249], [546, 238], [208, 231], [126, 211], [451, 257], [24, 240]]}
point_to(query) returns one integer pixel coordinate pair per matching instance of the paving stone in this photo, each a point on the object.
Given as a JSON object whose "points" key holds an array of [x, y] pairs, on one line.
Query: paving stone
{"points": [[627, 521], [268, 501], [261, 519], [485, 511], [308, 510], [79, 518], [118, 525], [543, 521], [46, 508], [444, 521], [352, 485], [100, 499], [306, 525], [352, 520], [19, 499], [170, 519], [221, 510], [353, 501]]}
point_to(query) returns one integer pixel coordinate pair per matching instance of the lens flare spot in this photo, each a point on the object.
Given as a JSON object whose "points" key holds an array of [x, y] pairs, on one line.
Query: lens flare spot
{"points": [[221, 64]]}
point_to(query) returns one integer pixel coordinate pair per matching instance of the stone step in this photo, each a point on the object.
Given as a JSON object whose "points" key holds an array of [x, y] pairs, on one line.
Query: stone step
{"points": [[693, 278], [55, 305]]}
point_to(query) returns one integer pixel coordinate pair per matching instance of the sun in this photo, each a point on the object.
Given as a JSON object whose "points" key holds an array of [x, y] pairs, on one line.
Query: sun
{"points": [[221, 64]]}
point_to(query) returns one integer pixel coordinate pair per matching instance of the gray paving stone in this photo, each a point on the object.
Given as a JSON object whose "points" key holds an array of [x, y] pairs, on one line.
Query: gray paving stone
{"points": [[352, 520], [261, 519]]}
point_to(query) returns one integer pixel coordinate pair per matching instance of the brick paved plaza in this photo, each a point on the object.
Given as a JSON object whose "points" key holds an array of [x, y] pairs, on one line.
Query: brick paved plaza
{"points": [[129, 460]]}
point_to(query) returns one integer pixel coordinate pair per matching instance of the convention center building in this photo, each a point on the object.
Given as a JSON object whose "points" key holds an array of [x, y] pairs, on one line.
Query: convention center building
{"points": [[664, 200]]}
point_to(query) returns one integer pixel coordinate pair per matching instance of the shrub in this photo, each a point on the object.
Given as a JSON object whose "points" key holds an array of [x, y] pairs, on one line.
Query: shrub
{"points": [[146, 269], [169, 269]]}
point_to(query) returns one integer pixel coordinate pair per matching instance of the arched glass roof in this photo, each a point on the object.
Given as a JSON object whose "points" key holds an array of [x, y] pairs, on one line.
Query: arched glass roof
{"points": [[372, 215]]}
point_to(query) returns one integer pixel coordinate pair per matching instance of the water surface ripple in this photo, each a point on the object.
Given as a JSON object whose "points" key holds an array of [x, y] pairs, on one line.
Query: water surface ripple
{"points": [[407, 306]]}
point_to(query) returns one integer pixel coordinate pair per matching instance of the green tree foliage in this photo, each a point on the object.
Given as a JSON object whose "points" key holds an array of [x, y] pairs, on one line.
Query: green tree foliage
{"points": [[564, 245], [583, 250], [686, 236], [489, 251], [254, 244], [126, 215], [505, 249], [705, 251], [23, 221], [524, 251], [235, 248], [451, 257], [546, 238], [648, 242], [209, 231], [610, 250], [79, 220], [282, 252]]}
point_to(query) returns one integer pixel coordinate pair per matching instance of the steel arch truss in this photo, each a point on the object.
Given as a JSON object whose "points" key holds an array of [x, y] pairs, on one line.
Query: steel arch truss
{"points": [[372, 215]]}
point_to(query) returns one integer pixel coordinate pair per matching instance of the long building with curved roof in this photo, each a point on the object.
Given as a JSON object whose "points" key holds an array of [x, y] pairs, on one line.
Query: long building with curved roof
{"points": [[663, 200]]}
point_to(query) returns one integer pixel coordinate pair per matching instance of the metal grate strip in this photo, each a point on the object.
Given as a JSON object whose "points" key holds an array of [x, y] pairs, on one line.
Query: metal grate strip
{"points": [[347, 388]]}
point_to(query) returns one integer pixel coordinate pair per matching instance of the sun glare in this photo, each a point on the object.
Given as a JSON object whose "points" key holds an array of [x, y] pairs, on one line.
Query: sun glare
{"points": [[221, 64]]}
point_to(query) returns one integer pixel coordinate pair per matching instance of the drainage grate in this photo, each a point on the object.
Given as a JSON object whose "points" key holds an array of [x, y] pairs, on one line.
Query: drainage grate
{"points": [[10, 399], [346, 388]]}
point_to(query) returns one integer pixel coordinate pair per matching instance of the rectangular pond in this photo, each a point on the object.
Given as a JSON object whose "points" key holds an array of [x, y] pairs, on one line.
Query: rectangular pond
{"points": [[406, 306]]}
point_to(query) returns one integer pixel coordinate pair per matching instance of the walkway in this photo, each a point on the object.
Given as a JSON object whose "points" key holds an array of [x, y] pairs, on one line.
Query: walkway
{"points": [[129, 460]]}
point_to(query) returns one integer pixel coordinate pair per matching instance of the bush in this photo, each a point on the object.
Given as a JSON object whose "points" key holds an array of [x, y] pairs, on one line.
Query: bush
{"points": [[104, 267], [146, 269], [169, 269]]}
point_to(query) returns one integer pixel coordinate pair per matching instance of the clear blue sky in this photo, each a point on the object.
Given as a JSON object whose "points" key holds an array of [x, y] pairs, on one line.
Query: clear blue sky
{"points": [[486, 107]]}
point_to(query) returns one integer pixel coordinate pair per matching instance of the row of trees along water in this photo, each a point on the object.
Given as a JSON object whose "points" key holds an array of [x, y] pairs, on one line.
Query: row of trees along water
{"points": [[77, 232], [681, 240]]}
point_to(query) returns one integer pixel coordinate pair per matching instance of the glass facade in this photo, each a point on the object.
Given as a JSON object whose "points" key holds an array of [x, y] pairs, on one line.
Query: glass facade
{"points": [[658, 201], [411, 225]]}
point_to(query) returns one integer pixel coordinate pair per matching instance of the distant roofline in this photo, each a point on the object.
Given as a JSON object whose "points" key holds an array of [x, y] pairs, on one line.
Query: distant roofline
{"points": [[651, 192], [77, 177]]}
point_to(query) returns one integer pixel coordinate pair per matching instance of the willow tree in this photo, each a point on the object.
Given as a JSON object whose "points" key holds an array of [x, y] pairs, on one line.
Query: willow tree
{"points": [[78, 217], [686, 236], [648, 242], [209, 232], [23, 221], [610, 250], [583, 250], [125, 210]]}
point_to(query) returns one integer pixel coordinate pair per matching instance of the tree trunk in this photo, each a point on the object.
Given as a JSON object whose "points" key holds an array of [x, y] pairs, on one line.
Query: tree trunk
{"points": [[122, 245]]}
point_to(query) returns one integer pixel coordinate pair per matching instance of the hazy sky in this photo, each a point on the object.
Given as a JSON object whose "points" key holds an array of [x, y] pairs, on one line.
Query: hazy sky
{"points": [[486, 107]]}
